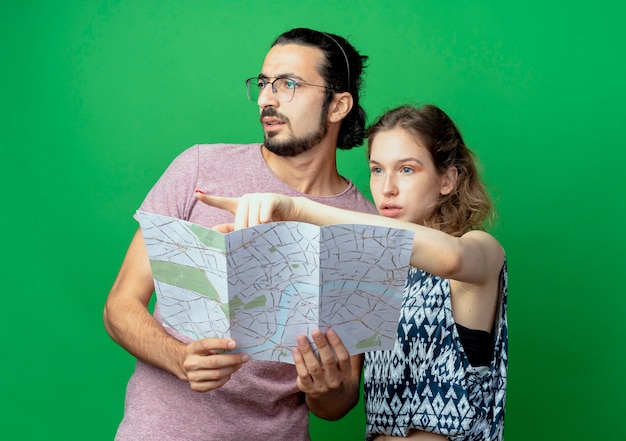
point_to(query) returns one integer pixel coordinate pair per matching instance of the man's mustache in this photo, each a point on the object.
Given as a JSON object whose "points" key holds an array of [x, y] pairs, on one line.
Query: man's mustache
{"points": [[270, 111]]}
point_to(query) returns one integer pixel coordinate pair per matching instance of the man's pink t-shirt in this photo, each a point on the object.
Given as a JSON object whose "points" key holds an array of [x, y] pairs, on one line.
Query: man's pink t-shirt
{"points": [[261, 401]]}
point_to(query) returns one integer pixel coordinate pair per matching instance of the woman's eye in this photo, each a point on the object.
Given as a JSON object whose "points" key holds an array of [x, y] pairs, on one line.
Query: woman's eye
{"points": [[375, 170], [407, 170]]}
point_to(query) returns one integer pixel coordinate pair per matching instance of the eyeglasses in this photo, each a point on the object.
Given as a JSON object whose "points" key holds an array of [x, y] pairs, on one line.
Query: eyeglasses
{"points": [[283, 89]]}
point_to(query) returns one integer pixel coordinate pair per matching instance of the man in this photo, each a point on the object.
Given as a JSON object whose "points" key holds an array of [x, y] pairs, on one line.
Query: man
{"points": [[308, 96]]}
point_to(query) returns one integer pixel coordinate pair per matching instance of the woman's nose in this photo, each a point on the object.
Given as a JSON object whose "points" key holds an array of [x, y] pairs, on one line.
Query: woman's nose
{"points": [[390, 187]]}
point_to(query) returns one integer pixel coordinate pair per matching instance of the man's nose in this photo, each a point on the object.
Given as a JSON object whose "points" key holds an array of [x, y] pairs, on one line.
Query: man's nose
{"points": [[267, 97]]}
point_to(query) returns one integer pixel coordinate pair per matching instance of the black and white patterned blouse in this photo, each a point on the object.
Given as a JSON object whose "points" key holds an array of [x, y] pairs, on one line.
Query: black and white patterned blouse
{"points": [[427, 382]]}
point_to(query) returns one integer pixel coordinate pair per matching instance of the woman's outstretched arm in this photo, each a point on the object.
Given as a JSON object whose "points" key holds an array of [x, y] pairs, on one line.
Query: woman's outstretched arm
{"points": [[474, 258]]}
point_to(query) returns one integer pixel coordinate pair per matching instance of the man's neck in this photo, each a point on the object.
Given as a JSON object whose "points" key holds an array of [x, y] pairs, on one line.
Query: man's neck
{"points": [[313, 172]]}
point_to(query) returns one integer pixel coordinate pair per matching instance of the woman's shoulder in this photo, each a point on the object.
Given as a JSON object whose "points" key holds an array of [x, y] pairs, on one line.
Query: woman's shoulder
{"points": [[488, 243]]}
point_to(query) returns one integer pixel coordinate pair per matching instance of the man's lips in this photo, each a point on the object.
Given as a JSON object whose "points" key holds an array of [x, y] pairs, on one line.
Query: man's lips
{"points": [[271, 124]]}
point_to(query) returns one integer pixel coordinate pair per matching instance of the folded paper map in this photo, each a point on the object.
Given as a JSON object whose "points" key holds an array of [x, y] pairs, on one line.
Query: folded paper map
{"points": [[263, 286]]}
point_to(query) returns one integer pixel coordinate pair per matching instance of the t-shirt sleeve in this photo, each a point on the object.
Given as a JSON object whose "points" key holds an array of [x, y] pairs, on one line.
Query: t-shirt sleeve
{"points": [[173, 193]]}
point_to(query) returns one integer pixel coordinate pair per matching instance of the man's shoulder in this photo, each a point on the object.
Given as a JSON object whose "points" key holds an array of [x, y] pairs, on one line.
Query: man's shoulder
{"points": [[219, 153], [227, 148]]}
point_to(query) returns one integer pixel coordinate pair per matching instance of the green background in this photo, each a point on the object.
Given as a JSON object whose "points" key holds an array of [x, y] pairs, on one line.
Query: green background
{"points": [[97, 97]]}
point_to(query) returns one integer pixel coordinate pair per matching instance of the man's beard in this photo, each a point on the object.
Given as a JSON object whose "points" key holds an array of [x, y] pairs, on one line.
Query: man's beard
{"points": [[294, 146]]}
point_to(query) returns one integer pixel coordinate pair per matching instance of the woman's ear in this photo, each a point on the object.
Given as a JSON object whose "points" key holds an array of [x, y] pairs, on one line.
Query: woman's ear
{"points": [[340, 106], [448, 181]]}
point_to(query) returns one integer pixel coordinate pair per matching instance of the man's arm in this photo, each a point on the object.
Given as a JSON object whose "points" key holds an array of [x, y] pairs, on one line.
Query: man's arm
{"points": [[130, 324], [128, 321]]}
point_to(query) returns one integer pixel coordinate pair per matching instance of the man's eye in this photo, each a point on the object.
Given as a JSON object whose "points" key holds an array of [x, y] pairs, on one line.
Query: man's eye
{"points": [[289, 84], [261, 83]]}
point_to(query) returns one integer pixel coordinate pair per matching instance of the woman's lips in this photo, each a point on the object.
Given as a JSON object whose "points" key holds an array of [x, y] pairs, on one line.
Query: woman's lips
{"points": [[389, 210]]}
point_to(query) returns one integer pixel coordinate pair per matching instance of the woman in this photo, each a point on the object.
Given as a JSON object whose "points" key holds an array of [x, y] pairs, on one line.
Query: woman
{"points": [[446, 376]]}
